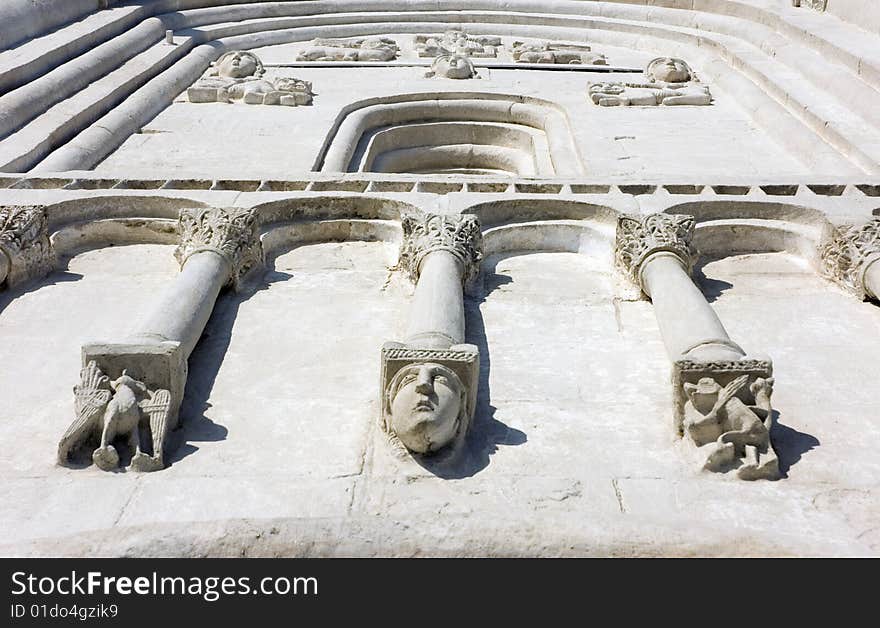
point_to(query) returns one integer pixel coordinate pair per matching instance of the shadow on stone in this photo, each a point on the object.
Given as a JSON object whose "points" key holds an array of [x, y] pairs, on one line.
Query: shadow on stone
{"points": [[711, 288], [486, 432], [55, 277], [790, 445], [204, 365]]}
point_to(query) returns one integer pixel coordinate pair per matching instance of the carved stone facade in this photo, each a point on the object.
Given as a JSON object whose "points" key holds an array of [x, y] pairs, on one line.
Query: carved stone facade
{"points": [[669, 81], [231, 232], [457, 42], [396, 277], [237, 76], [25, 250], [850, 253]]}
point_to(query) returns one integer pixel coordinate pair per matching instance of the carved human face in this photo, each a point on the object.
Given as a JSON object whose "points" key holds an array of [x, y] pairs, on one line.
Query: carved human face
{"points": [[703, 394], [238, 64], [454, 67], [426, 408], [670, 70]]}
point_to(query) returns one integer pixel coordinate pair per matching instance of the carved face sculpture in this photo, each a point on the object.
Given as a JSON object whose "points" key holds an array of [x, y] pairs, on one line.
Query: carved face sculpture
{"points": [[239, 64], [427, 405], [453, 67], [669, 70], [703, 394]]}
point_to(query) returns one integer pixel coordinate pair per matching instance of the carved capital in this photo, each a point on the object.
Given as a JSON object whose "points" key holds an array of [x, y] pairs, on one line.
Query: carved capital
{"points": [[847, 255], [231, 232], [640, 237], [426, 233], [24, 243]]}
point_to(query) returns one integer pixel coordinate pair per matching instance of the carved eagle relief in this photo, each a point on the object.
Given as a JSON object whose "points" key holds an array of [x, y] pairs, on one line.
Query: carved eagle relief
{"points": [[109, 409]]}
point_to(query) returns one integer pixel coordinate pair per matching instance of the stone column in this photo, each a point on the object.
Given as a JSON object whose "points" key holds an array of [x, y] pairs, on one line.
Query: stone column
{"points": [[722, 397], [429, 381], [25, 250], [148, 369], [850, 257]]}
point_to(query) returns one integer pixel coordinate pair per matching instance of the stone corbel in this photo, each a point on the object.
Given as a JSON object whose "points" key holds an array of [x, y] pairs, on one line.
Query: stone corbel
{"points": [[25, 250], [722, 397], [429, 381], [850, 258], [139, 381]]}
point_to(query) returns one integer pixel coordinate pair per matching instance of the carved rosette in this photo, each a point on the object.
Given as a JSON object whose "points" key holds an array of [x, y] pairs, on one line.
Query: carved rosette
{"points": [[231, 232], [24, 243], [640, 237], [848, 254], [426, 233]]}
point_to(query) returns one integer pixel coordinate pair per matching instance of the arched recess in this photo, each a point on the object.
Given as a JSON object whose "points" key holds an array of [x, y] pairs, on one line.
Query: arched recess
{"points": [[291, 222], [99, 221], [357, 136], [738, 227], [547, 225]]}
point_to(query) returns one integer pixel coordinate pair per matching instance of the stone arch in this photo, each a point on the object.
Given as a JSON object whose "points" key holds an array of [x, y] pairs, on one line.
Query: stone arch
{"points": [[352, 143]]}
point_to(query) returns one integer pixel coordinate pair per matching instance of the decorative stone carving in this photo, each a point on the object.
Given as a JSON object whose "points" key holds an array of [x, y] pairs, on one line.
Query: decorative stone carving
{"points": [[640, 237], [546, 52], [365, 49], [816, 5], [429, 396], [457, 42], [232, 232], [25, 250], [454, 66], [724, 409], [238, 77], [429, 382], [849, 255], [426, 233], [107, 410], [670, 81]]}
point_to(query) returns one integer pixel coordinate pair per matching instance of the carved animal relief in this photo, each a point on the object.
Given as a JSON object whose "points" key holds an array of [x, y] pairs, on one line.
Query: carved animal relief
{"points": [[457, 42], [724, 409], [376, 49], [546, 52], [239, 77], [816, 5], [110, 410], [668, 81]]}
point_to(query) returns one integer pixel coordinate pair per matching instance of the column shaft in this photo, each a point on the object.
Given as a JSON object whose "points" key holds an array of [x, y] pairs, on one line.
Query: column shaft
{"points": [[436, 319], [688, 323], [184, 309]]}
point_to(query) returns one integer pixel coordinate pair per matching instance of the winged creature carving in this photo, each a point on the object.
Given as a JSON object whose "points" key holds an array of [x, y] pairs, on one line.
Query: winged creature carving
{"points": [[108, 409]]}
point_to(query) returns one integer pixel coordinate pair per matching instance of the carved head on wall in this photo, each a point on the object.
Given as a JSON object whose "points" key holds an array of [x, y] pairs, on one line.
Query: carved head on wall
{"points": [[239, 64], [428, 406], [453, 66], [669, 70]]}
